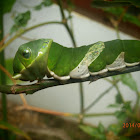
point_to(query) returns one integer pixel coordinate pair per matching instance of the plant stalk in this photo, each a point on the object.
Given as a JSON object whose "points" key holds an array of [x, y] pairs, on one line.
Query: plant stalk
{"points": [[65, 22], [2, 74]]}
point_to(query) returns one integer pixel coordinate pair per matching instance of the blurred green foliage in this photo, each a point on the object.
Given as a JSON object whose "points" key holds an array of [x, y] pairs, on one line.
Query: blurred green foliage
{"points": [[20, 21], [44, 3], [118, 8]]}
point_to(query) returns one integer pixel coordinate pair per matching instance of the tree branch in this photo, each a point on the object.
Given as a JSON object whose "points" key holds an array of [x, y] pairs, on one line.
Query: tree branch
{"points": [[30, 89]]}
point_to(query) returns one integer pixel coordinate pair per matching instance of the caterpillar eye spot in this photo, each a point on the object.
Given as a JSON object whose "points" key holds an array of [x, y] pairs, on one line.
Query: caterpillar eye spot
{"points": [[26, 53]]}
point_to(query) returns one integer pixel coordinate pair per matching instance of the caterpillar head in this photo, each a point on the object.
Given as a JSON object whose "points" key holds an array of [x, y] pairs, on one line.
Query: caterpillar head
{"points": [[30, 62]]}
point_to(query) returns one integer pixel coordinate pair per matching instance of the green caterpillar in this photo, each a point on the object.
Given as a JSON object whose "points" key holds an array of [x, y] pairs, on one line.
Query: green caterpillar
{"points": [[38, 58]]}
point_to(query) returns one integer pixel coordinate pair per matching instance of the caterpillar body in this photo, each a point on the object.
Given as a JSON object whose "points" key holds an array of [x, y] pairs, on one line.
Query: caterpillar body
{"points": [[38, 58]]}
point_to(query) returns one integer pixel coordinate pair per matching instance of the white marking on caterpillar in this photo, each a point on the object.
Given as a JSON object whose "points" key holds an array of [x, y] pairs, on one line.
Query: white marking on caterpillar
{"points": [[61, 78], [51, 72], [17, 76], [99, 72], [40, 53], [118, 63], [81, 71], [131, 64]]}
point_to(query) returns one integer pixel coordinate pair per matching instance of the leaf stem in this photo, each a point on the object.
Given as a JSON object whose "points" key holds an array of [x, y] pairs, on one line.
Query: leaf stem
{"points": [[117, 32], [7, 73]]}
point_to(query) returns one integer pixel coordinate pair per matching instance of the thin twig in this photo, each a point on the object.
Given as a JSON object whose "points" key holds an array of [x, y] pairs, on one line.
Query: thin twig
{"points": [[8, 74], [23, 100], [37, 109], [64, 20], [3, 40], [14, 81], [30, 89]]}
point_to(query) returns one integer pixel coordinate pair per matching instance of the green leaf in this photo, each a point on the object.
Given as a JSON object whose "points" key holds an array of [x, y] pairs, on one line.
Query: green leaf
{"points": [[47, 2], [13, 29], [98, 132], [128, 80], [121, 115], [115, 128], [90, 130], [126, 17], [7, 126], [70, 4], [101, 128], [7, 5], [113, 3], [22, 19], [118, 99], [38, 7], [115, 11], [132, 19], [127, 106]]}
